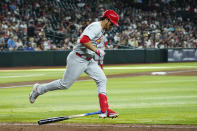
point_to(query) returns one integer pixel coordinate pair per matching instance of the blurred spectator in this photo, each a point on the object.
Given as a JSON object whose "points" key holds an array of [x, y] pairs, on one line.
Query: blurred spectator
{"points": [[2, 42], [31, 29], [32, 42], [46, 44], [19, 44], [117, 38], [11, 44], [28, 47], [143, 23]]}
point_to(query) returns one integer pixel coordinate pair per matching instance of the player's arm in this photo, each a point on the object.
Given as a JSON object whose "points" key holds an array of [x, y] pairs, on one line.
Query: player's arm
{"points": [[85, 40]]}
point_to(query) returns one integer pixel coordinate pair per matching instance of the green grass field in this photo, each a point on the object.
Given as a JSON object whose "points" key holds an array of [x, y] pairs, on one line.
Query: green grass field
{"points": [[139, 99]]}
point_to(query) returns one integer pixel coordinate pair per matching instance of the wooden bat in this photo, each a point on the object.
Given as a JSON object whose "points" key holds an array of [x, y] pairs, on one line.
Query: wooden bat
{"points": [[56, 119]]}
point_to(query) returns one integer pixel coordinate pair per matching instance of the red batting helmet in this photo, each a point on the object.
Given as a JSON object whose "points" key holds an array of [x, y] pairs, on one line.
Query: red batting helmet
{"points": [[112, 16]]}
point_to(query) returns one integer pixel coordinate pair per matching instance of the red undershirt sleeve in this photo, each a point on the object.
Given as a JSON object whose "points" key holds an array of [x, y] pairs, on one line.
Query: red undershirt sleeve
{"points": [[84, 39], [106, 43]]}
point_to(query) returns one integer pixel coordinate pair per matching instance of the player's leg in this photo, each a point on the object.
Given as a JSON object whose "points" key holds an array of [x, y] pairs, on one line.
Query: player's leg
{"points": [[75, 67], [96, 73]]}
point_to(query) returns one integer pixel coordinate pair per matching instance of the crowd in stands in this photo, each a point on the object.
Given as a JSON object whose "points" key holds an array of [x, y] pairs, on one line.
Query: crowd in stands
{"points": [[56, 24]]}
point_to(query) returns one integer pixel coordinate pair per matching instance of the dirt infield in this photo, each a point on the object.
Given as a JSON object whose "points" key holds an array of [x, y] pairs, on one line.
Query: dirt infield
{"points": [[94, 127], [99, 127]]}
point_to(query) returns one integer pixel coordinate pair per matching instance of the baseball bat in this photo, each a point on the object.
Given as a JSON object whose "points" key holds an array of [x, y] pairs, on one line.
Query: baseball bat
{"points": [[56, 119]]}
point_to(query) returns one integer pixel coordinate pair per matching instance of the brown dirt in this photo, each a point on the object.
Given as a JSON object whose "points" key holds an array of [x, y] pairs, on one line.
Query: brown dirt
{"points": [[97, 127]]}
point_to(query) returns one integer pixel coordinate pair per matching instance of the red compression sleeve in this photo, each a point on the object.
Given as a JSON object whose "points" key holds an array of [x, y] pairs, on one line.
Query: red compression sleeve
{"points": [[84, 39], [101, 65], [106, 43], [103, 102]]}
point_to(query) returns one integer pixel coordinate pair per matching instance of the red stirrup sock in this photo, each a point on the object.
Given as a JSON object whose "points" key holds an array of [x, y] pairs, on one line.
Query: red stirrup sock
{"points": [[103, 102]]}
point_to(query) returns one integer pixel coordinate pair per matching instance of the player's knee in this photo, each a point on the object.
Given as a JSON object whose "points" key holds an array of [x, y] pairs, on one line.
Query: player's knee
{"points": [[103, 80], [64, 85]]}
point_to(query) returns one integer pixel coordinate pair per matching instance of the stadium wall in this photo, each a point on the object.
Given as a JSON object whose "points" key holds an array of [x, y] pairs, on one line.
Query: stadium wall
{"points": [[58, 58]]}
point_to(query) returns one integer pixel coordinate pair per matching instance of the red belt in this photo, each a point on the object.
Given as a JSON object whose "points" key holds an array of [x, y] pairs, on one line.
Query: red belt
{"points": [[82, 56]]}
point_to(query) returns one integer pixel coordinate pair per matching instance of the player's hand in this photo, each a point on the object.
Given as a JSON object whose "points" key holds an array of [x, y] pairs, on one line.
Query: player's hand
{"points": [[100, 52]]}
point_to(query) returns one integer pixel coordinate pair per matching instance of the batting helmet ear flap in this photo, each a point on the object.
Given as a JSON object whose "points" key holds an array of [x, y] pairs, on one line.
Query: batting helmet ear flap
{"points": [[112, 16]]}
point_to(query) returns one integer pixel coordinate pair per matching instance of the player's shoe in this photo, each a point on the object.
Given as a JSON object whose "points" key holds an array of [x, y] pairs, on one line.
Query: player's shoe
{"points": [[109, 113], [103, 115], [34, 94]]}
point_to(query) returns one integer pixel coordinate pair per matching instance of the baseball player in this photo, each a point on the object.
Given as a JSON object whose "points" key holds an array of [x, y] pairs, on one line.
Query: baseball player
{"points": [[81, 60]]}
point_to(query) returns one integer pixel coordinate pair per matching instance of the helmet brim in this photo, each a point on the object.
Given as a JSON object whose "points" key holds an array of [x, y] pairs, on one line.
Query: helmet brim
{"points": [[115, 23]]}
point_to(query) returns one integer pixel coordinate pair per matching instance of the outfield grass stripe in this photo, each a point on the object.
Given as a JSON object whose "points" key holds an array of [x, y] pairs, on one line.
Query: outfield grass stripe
{"points": [[165, 81], [134, 82], [91, 106], [154, 105], [22, 76], [156, 81], [30, 85], [110, 68], [161, 98], [15, 86]]}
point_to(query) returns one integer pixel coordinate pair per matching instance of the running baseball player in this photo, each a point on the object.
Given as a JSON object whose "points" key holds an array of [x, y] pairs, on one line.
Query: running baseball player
{"points": [[80, 60]]}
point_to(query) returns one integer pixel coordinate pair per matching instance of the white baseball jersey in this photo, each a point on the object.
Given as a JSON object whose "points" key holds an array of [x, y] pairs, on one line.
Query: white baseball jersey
{"points": [[95, 33]]}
